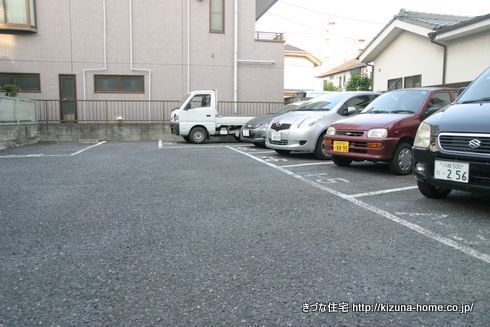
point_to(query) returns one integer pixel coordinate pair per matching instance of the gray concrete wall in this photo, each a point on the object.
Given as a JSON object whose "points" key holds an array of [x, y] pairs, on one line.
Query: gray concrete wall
{"points": [[105, 132], [17, 135]]}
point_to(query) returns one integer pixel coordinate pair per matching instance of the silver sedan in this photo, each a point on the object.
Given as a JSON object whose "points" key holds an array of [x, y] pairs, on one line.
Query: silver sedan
{"points": [[304, 128]]}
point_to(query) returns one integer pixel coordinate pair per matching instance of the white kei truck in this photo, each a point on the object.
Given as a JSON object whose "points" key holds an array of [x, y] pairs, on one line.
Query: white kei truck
{"points": [[197, 118]]}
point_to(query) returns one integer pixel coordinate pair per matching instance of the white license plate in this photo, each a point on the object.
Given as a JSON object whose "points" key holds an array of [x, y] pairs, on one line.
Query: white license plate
{"points": [[275, 136], [452, 171], [246, 132]]}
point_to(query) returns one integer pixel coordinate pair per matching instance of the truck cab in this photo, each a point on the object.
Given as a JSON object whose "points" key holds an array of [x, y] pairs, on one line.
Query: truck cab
{"points": [[197, 118]]}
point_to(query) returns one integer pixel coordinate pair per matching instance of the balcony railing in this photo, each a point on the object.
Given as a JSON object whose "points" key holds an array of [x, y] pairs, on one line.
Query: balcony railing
{"points": [[269, 36]]}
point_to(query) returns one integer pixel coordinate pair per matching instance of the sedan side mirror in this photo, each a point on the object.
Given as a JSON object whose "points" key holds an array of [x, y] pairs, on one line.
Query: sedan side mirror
{"points": [[350, 111]]}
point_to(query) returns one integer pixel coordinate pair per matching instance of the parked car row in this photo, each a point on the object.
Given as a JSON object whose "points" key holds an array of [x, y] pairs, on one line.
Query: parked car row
{"points": [[443, 137]]}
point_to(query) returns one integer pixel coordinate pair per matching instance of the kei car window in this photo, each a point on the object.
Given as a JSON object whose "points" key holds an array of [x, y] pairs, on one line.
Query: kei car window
{"points": [[397, 102], [478, 91], [323, 103]]}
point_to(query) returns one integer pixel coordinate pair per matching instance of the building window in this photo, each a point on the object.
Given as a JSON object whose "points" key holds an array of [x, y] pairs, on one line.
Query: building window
{"points": [[395, 84], [217, 16], [413, 81], [119, 83], [26, 82], [18, 15]]}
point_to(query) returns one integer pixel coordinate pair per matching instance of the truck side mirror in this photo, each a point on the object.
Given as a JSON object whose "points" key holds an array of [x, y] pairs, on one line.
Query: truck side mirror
{"points": [[187, 106]]}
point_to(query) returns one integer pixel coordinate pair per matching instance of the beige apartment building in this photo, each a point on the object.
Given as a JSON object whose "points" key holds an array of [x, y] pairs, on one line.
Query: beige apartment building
{"points": [[139, 50]]}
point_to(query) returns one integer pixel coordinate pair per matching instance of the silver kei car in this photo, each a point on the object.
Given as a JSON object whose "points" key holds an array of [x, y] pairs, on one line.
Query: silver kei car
{"points": [[303, 129]]}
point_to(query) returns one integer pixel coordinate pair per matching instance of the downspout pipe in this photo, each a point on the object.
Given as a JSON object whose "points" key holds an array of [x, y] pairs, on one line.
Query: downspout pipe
{"points": [[131, 67], [432, 37], [104, 68], [235, 59], [188, 47]]}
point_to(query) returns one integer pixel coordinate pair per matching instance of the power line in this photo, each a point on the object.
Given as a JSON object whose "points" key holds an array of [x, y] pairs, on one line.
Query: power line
{"points": [[329, 14]]}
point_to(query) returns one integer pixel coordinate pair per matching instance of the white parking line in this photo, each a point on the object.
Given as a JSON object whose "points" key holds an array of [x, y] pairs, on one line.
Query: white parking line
{"points": [[434, 236], [309, 164], [42, 155], [384, 191], [87, 148], [37, 155]]}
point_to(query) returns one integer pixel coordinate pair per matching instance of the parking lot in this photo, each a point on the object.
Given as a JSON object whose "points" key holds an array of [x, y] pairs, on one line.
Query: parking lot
{"points": [[231, 234]]}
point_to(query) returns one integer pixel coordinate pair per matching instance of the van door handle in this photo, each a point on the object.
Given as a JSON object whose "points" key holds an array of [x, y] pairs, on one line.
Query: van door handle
{"points": [[208, 115]]}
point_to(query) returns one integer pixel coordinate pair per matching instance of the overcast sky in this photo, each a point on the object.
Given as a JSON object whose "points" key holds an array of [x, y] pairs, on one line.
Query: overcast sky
{"points": [[316, 25]]}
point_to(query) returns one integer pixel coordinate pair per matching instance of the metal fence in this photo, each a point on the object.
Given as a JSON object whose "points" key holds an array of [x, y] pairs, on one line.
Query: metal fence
{"points": [[134, 111], [15, 111]]}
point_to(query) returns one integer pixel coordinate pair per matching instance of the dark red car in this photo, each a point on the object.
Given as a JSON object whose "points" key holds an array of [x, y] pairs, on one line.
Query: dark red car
{"points": [[386, 128]]}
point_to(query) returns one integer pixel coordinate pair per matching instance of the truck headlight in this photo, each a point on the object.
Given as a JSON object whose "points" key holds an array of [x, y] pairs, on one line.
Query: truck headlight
{"points": [[378, 132], [308, 122], [331, 131], [422, 139]]}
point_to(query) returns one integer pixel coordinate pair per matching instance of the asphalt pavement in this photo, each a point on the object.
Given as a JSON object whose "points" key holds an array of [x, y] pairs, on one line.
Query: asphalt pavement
{"points": [[228, 234]]}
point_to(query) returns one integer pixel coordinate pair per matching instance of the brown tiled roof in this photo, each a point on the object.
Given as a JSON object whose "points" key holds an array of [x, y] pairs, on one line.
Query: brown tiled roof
{"points": [[346, 66]]}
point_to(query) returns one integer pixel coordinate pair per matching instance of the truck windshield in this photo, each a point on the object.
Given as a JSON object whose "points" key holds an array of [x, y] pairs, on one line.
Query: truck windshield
{"points": [[478, 91], [397, 102], [323, 103]]}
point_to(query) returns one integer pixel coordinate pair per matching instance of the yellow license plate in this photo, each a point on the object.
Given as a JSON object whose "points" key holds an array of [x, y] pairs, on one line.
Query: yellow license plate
{"points": [[340, 146]]}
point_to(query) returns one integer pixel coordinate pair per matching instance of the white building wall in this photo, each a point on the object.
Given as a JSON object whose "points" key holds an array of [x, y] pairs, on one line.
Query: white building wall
{"points": [[299, 74], [409, 54], [467, 57]]}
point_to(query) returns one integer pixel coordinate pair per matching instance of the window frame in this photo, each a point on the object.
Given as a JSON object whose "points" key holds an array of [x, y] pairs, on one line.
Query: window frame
{"points": [[119, 79], [29, 26], [419, 76], [398, 80], [12, 78], [222, 31]]}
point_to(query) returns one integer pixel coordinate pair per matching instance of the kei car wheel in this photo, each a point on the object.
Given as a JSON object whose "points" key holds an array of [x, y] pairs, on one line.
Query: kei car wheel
{"points": [[341, 161], [283, 152], [432, 191], [402, 161], [320, 151], [198, 135]]}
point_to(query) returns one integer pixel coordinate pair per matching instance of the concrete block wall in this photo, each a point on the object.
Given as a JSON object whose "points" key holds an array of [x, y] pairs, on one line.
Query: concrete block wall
{"points": [[106, 132], [16, 135]]}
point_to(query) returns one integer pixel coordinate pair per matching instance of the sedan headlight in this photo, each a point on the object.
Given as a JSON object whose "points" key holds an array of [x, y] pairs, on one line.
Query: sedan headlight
{"points": [[308, 122], [378, 132], [422, 139], [331, 131]]}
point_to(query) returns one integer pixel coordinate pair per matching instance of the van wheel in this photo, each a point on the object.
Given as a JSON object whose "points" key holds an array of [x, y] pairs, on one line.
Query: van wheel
{"points": [[320, 151], [402, 161], [198, 135], [341, 161], [283, 152], [431, 191]]}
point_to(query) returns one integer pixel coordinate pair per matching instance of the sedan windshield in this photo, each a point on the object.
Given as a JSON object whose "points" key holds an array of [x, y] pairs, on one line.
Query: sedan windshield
{"points": [[478, 91], [397, 102], [288, 108], [323, 103]]}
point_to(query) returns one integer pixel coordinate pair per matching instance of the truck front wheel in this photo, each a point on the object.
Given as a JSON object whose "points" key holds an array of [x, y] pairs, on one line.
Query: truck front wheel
{"points": [[198, 135]]}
